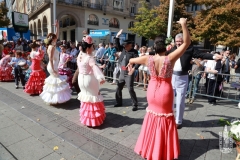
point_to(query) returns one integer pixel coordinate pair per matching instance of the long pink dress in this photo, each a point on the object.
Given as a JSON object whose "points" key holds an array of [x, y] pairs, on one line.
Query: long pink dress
{"points": [[92, 110], [158, 139], [6, 69]]}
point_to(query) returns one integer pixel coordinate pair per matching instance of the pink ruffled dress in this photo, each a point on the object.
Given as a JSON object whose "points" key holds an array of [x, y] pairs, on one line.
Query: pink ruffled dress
{"points": [[37, 77], [92, 110], [158, 139], [62, 68], [6, 69]]}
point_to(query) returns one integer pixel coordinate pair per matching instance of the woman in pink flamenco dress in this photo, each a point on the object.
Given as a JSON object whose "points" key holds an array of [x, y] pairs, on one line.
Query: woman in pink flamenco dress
{"points": [[6, 69], [37, 77], [158, 139], [92, 110], [62, 66]]}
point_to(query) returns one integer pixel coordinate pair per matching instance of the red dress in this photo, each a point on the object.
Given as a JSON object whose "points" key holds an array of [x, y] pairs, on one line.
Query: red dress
{"points": [[158, 139], [6, 69], [37, 77]]}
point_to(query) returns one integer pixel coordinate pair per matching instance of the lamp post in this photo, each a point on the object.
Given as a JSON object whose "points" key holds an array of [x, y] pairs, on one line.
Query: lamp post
{"points": [[54, 14], [170, 17]]}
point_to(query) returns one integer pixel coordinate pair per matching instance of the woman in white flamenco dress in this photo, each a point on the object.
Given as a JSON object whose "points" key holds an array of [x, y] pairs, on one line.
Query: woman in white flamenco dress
{"points": [[92, 110], [55, 90]]}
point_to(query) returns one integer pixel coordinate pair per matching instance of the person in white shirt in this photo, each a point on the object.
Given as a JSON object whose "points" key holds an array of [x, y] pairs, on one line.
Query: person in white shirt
{"points": [[100, 52], [18, 46]]}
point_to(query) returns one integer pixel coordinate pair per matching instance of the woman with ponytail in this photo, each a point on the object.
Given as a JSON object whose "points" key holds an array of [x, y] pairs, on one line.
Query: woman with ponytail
{"points": [[55, 90]]}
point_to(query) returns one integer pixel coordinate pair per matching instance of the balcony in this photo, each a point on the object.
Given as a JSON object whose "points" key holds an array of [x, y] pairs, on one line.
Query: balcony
{"points": [[82, 3], [118, 9], [132, 14], [94, 6], [92, 22]]}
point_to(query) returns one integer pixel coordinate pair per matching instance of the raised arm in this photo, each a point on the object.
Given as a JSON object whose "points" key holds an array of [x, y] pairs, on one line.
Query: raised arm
{"points": [[186, 42], [117, 41], [57, 28]]}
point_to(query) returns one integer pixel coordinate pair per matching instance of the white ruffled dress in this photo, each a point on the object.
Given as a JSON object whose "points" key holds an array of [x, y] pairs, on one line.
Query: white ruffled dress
{"points": [[55, 90], [92, 110]]}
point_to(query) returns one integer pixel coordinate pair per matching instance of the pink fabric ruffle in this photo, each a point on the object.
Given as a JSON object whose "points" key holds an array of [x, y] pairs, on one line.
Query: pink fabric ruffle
{"points": [[35, 83], [92, 114], [158, 139], [6, 73], [68, 73]]}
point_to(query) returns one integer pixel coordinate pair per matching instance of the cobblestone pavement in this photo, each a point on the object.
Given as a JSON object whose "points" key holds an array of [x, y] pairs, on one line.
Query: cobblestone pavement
{"points": [[30, 129]]}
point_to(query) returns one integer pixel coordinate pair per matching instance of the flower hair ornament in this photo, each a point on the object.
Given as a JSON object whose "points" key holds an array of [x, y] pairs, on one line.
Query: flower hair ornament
{"points": [[88, 40]]}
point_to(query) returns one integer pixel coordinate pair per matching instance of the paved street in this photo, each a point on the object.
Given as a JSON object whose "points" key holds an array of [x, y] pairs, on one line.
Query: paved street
{"points": [[33, 130]]}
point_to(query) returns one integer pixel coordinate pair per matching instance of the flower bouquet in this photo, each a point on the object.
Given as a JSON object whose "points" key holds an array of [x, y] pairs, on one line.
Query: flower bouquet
{"points": [[234, 131]]}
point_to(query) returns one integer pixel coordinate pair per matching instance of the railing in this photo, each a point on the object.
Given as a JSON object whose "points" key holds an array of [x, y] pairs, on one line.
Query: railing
{"points": [[132, 14], [214, 87], [118, 9], [92, 22], [82, 3]]}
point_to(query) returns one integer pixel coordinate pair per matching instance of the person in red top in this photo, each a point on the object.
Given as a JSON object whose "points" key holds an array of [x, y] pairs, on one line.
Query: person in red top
{"points": [[5, 50], [36, 80]]}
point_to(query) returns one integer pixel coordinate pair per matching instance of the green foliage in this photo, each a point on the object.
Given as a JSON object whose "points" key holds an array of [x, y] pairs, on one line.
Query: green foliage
{"points": [[152, 22], [219, 22], [4, 20], [148, 24]]}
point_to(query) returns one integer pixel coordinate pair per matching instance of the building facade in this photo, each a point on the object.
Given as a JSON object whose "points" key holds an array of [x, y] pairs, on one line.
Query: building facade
{"points": [[77, 15]]}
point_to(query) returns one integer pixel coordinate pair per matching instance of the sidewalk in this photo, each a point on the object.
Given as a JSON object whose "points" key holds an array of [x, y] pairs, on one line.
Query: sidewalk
{"points": [[30, 129]]}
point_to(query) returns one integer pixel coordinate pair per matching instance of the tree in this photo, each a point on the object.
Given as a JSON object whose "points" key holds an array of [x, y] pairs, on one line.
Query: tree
{"points": [[148, 24], [179, 12], [219, 22], [4, 20], [152, 22]]}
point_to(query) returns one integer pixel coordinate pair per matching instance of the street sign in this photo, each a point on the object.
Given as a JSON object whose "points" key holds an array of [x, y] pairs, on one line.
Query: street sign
{"points": [[20, 22]]}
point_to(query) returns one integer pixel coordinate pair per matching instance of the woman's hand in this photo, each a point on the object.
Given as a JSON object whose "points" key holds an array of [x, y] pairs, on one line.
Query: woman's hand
{"points": [[56, 23], [55, 73], [102, 81]]}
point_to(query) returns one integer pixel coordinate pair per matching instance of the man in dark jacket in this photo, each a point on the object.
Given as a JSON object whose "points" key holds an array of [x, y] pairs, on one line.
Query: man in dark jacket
{"points": [[180, 74], [127, 53]]}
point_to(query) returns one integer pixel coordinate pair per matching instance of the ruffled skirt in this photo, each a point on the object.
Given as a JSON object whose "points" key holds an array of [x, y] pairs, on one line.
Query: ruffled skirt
{"points": [[68, 73], [6, 73], [92, 110], [56, 90], [158, 139], [35, 82]]}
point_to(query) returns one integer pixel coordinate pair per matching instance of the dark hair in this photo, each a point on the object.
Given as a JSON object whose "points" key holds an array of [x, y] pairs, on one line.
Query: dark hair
{"points": [[110, 44], [19, 53], [217, 53], [33, 45], [159, 44], [85, 45], [50, 38]]}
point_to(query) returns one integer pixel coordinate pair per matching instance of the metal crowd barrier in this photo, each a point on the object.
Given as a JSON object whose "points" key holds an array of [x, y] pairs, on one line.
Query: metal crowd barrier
{"points": [[109, 69], [220, 89]]}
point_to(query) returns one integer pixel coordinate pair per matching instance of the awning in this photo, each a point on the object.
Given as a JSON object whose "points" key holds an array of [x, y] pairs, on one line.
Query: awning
{"points": [[99, 33]]}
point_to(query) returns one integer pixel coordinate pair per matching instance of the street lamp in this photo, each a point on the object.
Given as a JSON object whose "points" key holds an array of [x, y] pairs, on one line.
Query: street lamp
{"points": [[170, 17]]}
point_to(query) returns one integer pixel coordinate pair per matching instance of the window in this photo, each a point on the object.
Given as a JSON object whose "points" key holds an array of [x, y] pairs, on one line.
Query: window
{"points": [[114, 23], [131, 24], [133, 9], [92, 19], [29, 5], [118, 4]]}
